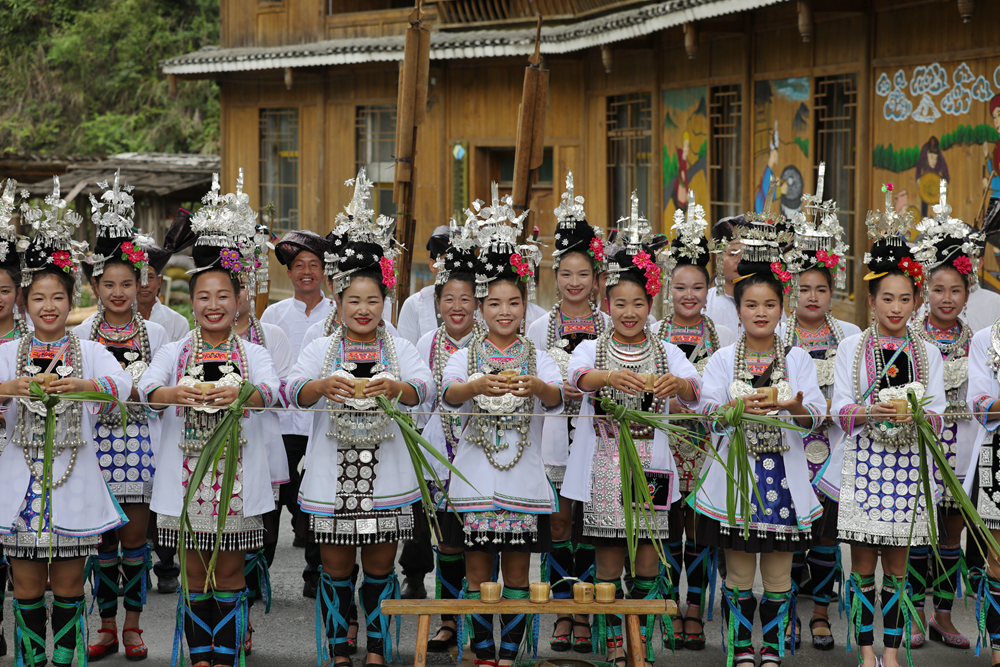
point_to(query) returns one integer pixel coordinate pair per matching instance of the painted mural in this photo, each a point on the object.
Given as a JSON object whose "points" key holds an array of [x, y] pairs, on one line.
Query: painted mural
{"points": [[782, 132], [685, 148], [941, 121]]}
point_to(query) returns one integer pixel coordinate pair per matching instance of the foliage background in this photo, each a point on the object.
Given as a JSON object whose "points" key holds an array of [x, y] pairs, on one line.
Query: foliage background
{"points": [[81, 77]]}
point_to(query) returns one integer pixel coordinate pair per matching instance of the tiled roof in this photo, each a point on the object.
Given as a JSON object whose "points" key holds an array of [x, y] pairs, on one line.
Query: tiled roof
{"points": [[457, 45]]}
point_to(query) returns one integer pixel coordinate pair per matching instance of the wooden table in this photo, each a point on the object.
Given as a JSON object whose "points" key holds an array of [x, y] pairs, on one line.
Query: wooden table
{"points": [[630, 609]]}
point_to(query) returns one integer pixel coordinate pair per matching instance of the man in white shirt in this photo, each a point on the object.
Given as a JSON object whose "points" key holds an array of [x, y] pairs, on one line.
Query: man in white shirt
{"points": [[302, 252], [419, 314]]}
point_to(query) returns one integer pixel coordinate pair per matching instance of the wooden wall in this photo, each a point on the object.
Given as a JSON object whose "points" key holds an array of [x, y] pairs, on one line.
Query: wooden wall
{"points": [[473, 103]]}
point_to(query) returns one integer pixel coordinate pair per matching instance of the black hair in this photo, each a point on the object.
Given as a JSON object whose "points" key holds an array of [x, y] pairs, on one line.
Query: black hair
{"points": [[949, 265], [740, 288], [875, 283], [467, 278], [373, 274], [826, 274], [701, 269], [628, 277], [67, 280], [193, 280], [14, 274]]}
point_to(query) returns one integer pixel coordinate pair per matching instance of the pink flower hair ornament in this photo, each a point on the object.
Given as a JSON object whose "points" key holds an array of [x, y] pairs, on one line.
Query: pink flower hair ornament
{"points": [[62, 259], [827, 259], [643, 261], [782, 275], [133, 255], [963, 265], [596, 249], [388, 272], [230, 260]]}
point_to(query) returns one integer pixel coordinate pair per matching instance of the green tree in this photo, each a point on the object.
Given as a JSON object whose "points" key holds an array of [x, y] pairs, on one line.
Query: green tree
{"points": [[82, 76]]}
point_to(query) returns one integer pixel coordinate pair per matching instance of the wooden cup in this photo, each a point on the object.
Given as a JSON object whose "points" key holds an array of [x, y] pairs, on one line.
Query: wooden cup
{"points": [[770, 394], [902, 406], [650, 381], [45, 378], [489, 592], [604, 593], [583, 592], [203, 387], [359, 387], [509, 375], [539, 592]]}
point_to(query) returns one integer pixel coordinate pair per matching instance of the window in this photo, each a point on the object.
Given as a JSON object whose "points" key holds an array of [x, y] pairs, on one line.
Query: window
{"points": [[375, 134], [836, 104], [630, 152], [279, 166], [725, 109]]}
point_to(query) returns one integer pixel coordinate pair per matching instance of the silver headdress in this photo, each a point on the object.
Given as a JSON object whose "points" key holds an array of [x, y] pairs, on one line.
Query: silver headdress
{"points": [[116, 234], [497, 229], [633, 232], [945, 239], [818, 242], [8, 237], [460, 257], [52, 244], [573, 233], [226, 229], [689, 246], [360, 240]]}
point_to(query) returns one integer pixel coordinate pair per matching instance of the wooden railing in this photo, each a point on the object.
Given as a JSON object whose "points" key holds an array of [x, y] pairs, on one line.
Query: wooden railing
{"points": [[473, 13]]}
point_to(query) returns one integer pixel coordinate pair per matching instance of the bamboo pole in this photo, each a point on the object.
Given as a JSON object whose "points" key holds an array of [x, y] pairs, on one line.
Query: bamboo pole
{"points": [[411, 109], [530, 144]]}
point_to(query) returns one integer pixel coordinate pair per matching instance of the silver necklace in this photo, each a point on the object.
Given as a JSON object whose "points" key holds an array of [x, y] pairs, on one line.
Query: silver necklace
{"points": [[646, 357], [761, 439], [200, 421], [497, 414]]}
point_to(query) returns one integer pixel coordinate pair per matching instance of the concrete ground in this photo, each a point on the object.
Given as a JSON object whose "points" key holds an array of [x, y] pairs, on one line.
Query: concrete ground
{"points": [[287, 635]]}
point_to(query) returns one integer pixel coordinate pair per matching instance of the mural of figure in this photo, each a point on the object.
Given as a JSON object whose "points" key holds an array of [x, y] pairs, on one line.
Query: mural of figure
{"points": [[791, 191], [683, 158], [765, 180], [992, 180], [931, 169]]}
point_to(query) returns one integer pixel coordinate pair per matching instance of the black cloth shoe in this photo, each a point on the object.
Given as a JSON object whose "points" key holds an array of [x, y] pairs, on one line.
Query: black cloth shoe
{"points": [[309, 588], [413, 589]]}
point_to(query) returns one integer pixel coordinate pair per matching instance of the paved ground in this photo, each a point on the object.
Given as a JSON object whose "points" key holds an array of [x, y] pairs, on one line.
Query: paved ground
{"points": [[287, 635]]}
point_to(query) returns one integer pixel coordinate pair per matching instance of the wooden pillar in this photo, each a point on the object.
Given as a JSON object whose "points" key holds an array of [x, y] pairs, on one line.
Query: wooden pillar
{"points": [[746, 139], [656, 102], [863, 167]]}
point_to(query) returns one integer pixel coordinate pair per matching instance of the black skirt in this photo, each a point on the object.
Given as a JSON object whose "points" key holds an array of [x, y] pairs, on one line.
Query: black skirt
{"points": [[453, 534], [826, 525], [710, 533]]}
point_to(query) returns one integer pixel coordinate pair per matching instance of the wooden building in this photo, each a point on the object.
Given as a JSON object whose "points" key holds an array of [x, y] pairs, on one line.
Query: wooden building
{"points": [[711, 97]]}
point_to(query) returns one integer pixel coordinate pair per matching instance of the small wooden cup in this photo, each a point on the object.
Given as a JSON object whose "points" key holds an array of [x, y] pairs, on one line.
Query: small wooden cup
{"points": [[770, 394], [583, 592], [45, 378], [539, 592], [359, 387], [489, 592], [902, 406], [509, 375], [203, 387], [604, 593], [650, 379]]}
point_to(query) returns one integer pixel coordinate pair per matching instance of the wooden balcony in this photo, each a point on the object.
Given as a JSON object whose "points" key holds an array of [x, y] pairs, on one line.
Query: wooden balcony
{"points": [[473, 13]]}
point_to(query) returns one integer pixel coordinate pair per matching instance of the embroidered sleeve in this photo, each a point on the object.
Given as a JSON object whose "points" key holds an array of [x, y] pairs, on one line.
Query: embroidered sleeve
{"points": [[106, 385], [577, 374], [265, 393], [816, 414], [695, 382], [849, 415], [145, 392], [421, 388], [444, 388], [981, 406], [292, 390]]}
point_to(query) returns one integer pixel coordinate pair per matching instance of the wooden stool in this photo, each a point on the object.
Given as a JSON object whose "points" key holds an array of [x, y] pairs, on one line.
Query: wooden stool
{"points": [[630, 609]]}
